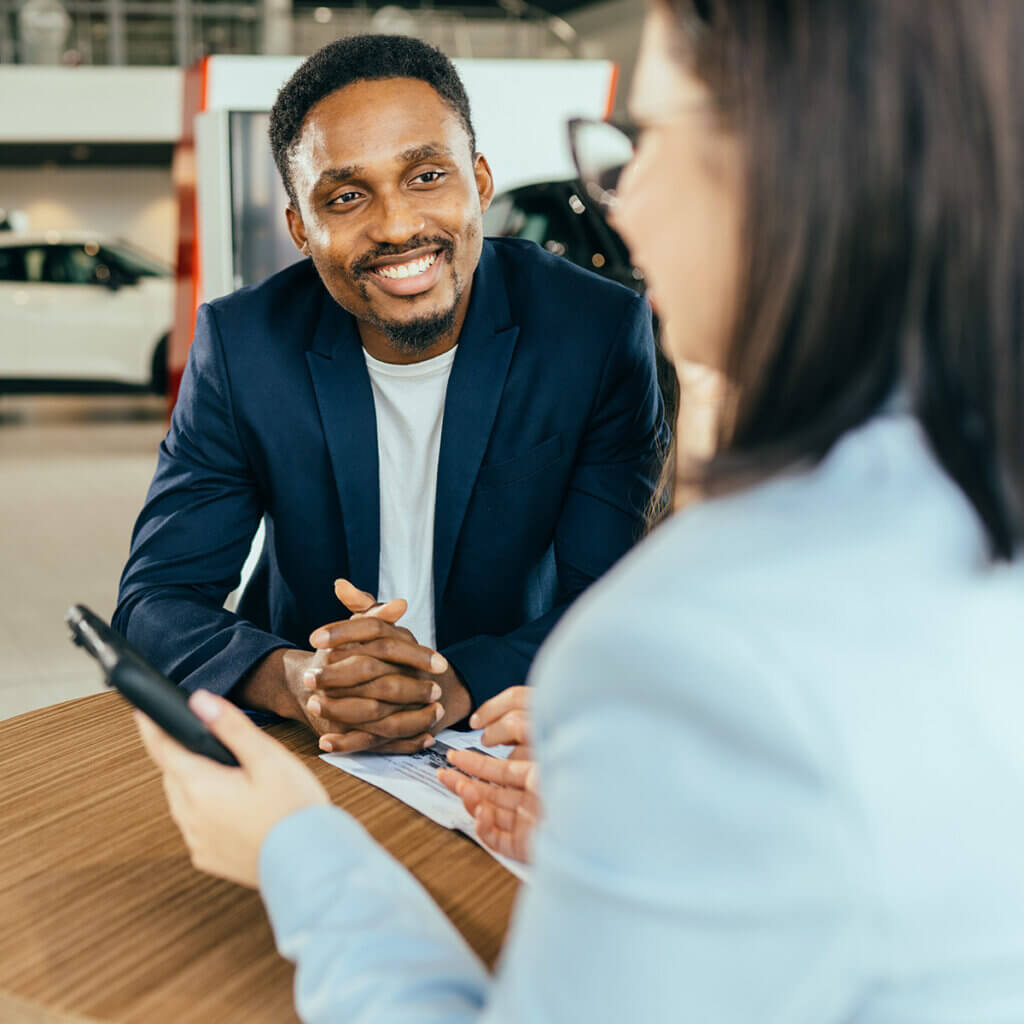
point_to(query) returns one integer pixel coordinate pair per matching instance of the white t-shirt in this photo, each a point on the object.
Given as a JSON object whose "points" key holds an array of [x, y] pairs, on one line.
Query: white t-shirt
{"points": [[409, 400]]}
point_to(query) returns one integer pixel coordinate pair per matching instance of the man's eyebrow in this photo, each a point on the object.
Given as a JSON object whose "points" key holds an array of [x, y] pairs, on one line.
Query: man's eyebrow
{"points": [[336, 175], [428, 151]]}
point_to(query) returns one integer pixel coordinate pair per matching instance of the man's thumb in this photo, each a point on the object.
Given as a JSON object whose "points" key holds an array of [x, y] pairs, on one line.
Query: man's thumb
{"points": [[354, 599], [229, 724], [390, 612]]}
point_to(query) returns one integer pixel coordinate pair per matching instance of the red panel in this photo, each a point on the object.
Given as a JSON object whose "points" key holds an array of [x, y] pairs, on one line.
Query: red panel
{"points": [[187, 291], [613, 87]]}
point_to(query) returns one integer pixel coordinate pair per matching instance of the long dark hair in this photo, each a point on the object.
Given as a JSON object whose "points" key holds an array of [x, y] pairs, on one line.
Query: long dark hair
{"points": [[884, 230]]}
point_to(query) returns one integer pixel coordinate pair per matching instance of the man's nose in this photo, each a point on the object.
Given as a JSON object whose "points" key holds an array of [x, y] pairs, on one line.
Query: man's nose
{"points": [[397, 220]]}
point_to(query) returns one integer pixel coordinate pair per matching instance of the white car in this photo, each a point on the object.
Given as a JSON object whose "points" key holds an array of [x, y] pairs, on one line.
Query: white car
{"points": [[82, 312]]}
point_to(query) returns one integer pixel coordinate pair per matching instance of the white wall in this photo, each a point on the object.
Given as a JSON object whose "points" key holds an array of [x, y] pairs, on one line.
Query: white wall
{"points": [[137, 204], [611, 30], [47, 104]]}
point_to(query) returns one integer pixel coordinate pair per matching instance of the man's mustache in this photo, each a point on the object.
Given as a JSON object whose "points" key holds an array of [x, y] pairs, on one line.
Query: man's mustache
{"points": [[364, 264]]}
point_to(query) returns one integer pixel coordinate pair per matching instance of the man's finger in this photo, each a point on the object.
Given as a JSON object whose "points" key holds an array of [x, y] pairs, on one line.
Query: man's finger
{"points": [[405, 724], [371, 661], [391, 611], [389, 642], [515, 698], [357, 742], [354, 599], [409, 746], [392, 689], [349, 710], [359, 602]]}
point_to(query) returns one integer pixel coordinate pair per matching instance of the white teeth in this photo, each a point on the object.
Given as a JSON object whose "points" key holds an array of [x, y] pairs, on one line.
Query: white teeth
{"points": [[395, 272]]}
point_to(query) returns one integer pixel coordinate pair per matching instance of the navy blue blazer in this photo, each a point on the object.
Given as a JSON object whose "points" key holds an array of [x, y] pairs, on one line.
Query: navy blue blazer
{"points": [[550, 444]]}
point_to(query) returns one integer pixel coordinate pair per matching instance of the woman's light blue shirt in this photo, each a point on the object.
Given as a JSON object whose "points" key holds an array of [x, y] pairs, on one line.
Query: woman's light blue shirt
{"points": [[783, 777]]}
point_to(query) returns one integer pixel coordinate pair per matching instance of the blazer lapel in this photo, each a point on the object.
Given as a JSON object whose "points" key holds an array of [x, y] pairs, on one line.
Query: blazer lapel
{"points": [[475, 386], [345, 400]]}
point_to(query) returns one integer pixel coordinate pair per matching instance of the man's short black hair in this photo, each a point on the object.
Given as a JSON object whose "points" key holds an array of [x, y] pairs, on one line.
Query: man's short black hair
{"points": [[357, 59]]}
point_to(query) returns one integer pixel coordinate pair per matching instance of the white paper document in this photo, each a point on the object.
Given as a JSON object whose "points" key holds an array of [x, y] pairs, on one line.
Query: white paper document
{"points": [[412, 778]]}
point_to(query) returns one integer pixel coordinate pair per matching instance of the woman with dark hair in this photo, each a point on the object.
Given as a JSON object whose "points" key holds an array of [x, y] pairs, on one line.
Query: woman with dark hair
{"points": [[778, 745]]}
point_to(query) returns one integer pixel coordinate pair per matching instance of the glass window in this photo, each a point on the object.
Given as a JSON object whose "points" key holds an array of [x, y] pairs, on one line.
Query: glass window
{"points": [[12, 264], [34, 260], [55, 265], [132, 262], [498, 214], [83, 267]]}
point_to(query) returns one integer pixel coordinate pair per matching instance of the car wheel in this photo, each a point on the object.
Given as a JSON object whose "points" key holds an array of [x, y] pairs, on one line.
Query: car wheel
{"points": [[158, 373]]}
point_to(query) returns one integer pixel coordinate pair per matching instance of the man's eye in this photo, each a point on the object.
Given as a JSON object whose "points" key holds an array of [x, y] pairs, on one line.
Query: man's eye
{"points": [[345, 198], [429, 177]]}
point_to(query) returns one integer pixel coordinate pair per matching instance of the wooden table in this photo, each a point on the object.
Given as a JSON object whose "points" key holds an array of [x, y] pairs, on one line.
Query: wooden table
{"points": [[102, 916]]}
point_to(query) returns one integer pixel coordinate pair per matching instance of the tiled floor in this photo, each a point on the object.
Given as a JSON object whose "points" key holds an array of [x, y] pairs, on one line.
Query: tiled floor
{"points": [[73, 473]]}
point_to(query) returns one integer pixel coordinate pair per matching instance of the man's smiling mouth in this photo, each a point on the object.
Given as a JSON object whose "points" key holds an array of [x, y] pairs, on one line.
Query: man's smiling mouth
{"points": [[411, 268]]}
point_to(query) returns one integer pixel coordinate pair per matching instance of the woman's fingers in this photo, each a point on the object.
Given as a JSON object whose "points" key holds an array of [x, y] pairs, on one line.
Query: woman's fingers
{"points": [[492, 769], [512, 842], [504, 816], [513, 728], [515, 698], [473, 793]]}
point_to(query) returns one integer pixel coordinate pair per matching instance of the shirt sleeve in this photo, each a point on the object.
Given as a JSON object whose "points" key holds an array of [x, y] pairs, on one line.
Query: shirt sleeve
{"points": [[368, 942]]}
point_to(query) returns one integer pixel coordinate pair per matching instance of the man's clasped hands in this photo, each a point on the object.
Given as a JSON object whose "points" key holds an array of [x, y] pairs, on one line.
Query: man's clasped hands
{"points": [[368, 686]]}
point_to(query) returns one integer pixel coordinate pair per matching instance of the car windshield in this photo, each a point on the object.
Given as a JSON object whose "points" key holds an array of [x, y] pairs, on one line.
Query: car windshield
{"points": [[137, 263]]}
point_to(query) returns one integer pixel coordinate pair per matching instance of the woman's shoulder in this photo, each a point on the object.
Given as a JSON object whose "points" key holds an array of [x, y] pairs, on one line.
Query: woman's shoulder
{"points": [[750, 567]]}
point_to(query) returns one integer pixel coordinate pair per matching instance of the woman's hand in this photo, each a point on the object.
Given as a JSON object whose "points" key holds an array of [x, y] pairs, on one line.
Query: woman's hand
{"points": [[226, 813], [502, 795], [505, 720]]}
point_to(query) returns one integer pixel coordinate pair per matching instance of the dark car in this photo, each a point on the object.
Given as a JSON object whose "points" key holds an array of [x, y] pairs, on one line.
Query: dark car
{"points": [[554, 214]]}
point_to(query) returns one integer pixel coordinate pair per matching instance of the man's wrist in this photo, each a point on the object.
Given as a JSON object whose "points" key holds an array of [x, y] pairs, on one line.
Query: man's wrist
{"points": [[273, 683], [455, 697]]}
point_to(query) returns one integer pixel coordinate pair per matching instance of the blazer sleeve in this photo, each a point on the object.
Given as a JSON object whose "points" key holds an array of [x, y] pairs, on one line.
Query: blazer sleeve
{"points": [[696, 861], [193, 535], [606, 506]]}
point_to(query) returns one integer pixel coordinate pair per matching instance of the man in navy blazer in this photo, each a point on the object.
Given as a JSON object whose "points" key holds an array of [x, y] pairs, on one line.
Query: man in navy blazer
{"points": [[546, 425]]}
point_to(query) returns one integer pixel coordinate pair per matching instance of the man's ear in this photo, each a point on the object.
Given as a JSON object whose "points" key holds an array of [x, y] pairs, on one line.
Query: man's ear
{"points": [[297, 229], [484, 180]]}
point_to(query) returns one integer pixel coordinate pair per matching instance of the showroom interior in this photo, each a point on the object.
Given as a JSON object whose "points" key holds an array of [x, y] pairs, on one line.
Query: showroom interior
{"points": [[118, 118], [511, 511]]}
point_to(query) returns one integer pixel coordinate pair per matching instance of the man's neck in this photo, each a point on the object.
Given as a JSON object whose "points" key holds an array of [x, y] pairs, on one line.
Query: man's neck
{"points": [[380, 347]]}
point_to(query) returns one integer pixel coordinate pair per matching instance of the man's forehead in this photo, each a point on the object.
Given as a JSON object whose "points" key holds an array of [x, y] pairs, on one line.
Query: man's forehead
{"points": [[377, 119]]}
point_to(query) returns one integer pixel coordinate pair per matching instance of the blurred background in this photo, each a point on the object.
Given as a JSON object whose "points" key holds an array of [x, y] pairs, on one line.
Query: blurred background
{"points": [[136, 181]]}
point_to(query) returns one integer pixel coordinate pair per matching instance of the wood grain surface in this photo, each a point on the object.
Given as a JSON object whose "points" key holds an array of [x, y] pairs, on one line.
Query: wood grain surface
{"points": [[102, 913]]}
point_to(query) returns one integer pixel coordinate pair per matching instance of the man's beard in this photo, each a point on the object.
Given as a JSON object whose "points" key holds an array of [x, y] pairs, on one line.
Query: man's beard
{"points": [[410, 337]]}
